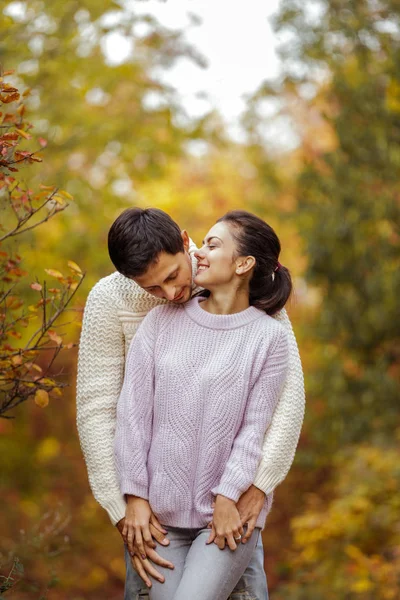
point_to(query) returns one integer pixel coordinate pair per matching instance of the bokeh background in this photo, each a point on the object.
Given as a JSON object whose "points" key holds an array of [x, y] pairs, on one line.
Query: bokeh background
{"points": [[141, 103]]}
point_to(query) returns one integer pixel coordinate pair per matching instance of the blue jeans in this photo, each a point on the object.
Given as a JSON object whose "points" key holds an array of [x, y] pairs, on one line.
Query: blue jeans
{"points": [[251, 586]]}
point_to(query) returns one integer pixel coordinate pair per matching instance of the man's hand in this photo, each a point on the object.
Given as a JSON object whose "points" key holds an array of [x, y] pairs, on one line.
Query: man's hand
{"points": [[226, 526], [249, 506], [144, 567]]}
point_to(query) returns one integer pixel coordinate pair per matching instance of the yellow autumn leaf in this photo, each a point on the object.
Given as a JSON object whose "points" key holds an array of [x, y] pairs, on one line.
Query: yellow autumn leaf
{"points": [[23, 133], [65, 194], [54, 273], [41, 398], [74, 267]]}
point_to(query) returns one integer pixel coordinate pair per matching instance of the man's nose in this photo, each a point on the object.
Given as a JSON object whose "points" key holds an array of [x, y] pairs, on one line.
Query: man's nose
{"points": [[169, 293]]}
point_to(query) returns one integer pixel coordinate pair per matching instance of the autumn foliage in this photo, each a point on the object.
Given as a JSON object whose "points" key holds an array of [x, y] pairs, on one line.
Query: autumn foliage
{"points": [[29, 340]]}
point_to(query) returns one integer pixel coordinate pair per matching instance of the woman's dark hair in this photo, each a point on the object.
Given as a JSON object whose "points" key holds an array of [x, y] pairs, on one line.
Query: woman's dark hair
{"points": [[271, 283], [137, 237]]}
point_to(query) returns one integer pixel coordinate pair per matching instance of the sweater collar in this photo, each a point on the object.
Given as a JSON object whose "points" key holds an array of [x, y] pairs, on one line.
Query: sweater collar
{"points": [[206, 319]]}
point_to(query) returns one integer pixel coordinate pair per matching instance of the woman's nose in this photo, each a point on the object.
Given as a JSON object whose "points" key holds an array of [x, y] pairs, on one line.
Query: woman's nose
{"points": [[199, 254]]}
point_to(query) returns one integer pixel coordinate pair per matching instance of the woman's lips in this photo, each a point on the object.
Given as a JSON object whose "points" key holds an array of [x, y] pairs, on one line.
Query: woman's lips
{"points": [[201, 268], [179, 296]]}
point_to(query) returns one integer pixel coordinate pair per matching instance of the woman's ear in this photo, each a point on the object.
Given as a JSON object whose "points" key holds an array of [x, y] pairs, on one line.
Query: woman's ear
{"points": [[186, 241], [244, 264]]}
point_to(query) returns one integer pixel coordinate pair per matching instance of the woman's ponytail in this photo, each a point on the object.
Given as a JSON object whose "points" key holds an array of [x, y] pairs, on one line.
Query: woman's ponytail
{"points": [[271, 283]]}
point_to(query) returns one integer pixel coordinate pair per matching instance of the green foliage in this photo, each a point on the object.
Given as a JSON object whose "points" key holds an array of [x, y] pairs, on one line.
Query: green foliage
{"points": [[349, 213], [341, 88]]}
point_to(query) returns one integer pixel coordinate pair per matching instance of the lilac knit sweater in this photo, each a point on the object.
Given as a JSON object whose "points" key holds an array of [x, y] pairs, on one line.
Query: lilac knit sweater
{"points": [[198, 395]]}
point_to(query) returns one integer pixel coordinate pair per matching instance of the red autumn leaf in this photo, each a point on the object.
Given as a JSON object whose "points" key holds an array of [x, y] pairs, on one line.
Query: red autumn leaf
{"points": [[6, 99], [55, 337], [36, 286], [42, 142]]}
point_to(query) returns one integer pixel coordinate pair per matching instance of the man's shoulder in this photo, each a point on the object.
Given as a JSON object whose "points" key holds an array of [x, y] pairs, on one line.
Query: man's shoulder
{"points": [[123, 293], [270, 327]]}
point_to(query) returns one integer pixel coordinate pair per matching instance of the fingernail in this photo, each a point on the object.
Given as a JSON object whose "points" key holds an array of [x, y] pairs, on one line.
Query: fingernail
{"points": [[165, 542], [143, 556]]}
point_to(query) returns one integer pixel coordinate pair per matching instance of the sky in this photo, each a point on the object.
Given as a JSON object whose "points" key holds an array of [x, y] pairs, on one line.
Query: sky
{"points": [[238, 42]]}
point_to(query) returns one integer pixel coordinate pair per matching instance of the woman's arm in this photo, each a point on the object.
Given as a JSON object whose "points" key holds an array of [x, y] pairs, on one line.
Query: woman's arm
{"points": [[246, 450], [135, 412], [133, 435], [283, 434]]}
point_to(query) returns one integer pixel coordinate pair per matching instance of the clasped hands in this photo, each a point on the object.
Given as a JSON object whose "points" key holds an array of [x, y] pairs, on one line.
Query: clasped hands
{"points": [[141, 529]]}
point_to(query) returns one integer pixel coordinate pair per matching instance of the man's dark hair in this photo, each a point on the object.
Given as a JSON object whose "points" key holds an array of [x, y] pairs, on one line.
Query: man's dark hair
{"points": [[138, 236]]}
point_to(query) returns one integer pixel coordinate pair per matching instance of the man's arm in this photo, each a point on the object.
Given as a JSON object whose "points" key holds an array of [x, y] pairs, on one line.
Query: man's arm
{"points": [[283, 434], [100, 376]]}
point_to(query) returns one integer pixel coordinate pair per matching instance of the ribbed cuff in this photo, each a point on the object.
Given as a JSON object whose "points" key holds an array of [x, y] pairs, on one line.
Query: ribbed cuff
{"points": [[265, 480], [134, 489], [115, 509], [228, 490]]}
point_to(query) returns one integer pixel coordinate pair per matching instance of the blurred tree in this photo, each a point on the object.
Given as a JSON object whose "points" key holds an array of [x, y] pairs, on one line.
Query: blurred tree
{"points": [[110, 122], [340, 92], [346, 543], [342, 80]]}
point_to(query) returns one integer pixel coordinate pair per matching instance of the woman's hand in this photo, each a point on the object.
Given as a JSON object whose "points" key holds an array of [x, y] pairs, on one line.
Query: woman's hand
{"points": [[136, 528], [226, 525]]}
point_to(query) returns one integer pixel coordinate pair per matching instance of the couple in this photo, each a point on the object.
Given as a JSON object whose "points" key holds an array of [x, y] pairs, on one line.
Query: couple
{"points": [[202, 384]]}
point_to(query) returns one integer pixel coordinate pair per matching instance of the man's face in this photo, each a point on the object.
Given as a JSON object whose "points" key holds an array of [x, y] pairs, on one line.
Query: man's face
{"points": [[170, 277]]}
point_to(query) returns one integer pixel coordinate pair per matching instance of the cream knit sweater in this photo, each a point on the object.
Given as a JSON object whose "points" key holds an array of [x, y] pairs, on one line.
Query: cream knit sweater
{"points": [[115, 307]]}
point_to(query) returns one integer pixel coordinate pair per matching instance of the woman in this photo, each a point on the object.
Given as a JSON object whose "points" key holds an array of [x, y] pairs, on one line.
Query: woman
{"points": [[201, 384]]}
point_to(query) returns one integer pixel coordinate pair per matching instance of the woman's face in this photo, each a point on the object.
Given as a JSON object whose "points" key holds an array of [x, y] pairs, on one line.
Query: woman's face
{"points": [[216, 263]]}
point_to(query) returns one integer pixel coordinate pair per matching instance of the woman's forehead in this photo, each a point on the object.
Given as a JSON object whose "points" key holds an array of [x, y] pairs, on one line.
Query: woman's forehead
{"points": [[220, 230]]}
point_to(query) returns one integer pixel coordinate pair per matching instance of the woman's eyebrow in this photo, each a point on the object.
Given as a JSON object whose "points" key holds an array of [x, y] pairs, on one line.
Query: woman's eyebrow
{"points": [[212, 237]]}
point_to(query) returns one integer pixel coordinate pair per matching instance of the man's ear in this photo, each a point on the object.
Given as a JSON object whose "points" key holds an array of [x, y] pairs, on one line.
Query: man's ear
{"points": [[185, 238]]}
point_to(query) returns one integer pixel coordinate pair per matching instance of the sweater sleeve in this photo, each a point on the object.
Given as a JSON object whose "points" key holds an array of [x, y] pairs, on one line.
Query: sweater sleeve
{"points": [[135, 412], [246, 450], [283, 434], [100, 376]]}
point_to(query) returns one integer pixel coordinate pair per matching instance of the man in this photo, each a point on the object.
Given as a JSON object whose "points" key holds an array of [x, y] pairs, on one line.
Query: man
{"points": [[155, 263]]}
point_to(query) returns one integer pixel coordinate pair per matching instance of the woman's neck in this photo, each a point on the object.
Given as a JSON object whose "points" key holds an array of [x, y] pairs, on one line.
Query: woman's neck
{"points": [[226, 302]]}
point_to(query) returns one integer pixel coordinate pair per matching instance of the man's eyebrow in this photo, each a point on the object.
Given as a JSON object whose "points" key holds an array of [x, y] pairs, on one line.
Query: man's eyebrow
{"points": [[211, 238]]}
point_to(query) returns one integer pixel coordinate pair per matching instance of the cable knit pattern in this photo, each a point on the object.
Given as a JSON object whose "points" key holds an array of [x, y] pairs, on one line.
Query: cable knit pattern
{"points": [[114, 309], [198, 395]]}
